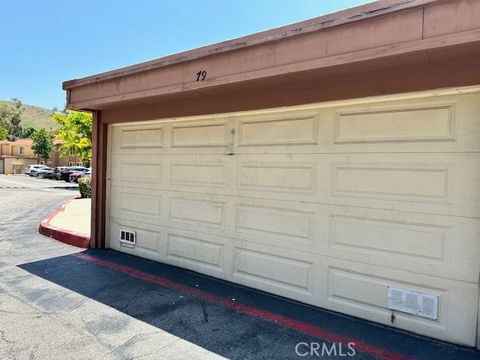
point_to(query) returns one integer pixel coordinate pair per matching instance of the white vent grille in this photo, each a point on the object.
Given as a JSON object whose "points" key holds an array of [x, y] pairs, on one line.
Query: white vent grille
{"points": [[412, 302], [128, 237]]}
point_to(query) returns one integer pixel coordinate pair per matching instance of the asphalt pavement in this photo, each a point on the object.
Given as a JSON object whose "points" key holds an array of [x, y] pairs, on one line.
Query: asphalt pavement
{"points": [[29, 182], [40, 319]]}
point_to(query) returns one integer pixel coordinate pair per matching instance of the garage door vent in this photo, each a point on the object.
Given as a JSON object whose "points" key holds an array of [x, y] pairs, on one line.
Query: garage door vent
{"points": [[412, 302], [128, 237]]}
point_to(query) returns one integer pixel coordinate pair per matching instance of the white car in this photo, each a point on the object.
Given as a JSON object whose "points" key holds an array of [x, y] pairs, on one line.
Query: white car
{"points": [[32, 169]]}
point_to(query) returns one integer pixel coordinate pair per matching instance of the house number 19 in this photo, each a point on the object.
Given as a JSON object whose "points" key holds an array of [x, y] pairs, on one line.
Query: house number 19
{"points": [[201, 75]]}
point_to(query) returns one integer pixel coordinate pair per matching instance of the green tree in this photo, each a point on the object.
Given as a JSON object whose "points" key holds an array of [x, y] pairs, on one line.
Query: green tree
{"points": [[11, 117], [42, 144], [28, 132], [3, 133], [75, 130]]}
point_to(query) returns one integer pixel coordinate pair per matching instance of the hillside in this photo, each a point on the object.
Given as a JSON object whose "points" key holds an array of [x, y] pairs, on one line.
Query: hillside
{"points": [[36, 117]]}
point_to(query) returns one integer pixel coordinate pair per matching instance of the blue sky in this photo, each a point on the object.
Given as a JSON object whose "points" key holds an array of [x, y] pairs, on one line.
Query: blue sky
{"points": [[47, 42]]}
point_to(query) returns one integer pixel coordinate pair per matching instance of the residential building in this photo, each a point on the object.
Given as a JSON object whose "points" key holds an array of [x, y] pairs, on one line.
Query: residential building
{"points": [[18, 154], [58, 158]]}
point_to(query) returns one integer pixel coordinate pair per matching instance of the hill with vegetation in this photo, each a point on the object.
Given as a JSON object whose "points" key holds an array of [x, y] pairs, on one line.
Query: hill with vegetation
{"points": [[36, 117]]}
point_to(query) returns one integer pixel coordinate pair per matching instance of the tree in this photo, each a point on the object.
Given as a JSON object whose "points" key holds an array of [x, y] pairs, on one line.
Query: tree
{"points": [[11, 117], [75, 130], [3, 133], [42, 144], [28, 132]]}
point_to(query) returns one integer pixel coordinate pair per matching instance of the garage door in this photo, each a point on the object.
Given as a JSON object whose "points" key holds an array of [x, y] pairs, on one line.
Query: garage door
{"points": [[369, 208]]}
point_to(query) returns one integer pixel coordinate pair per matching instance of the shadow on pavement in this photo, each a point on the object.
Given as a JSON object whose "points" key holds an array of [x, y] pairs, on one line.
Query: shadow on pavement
{"points": [[228, 331]]}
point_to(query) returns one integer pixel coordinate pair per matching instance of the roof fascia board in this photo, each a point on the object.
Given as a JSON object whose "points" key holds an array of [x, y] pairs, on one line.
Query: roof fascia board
{"points": [[355, 14]]}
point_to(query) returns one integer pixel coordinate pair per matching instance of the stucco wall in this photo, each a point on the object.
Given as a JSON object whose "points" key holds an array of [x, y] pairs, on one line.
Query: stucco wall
{"points": [[17, 165]]}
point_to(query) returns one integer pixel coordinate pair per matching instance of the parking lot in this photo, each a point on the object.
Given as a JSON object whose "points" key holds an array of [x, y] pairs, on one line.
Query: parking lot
{"points": [[27, 182]]}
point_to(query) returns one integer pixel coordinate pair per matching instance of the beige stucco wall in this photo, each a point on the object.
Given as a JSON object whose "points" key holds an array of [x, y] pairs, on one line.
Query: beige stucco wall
{"points": [[10, 149], [15, 150], [57, 160], [17, 165]]}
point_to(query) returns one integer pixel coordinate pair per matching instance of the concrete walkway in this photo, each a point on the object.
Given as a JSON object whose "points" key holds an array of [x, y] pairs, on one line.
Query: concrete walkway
{"points": [[70, 223], [75, 217]]}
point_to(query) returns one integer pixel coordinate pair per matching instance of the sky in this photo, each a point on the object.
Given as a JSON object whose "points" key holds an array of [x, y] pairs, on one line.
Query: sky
{"points": [[47, 42]]}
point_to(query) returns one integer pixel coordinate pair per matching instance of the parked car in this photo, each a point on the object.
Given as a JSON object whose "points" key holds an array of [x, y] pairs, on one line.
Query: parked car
{"points": [[45, 173], [74, 176], [31, 167], [35, 168], [57, 172], [65, 173]]}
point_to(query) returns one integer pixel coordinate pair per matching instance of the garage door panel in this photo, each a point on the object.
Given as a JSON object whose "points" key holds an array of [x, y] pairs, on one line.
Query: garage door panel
{"points": [[126, 139], [279, 225], [197, 212], [361, 290], [211, 133], [285, 273], [277, 176], [137, 170], [143, 137], [137, 206], [278, 129], [403, 181], [366, 292], [439, 184], [423, 242], [437, 124], [148, 241], [198, 173], [442, 246], [194, 252], [435, 121]]}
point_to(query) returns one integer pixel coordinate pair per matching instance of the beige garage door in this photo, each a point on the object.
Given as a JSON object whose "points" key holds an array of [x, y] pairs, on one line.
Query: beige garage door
{"points": [[339, 205]]}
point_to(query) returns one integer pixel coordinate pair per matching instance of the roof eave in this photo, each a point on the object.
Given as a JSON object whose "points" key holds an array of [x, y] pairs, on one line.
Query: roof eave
{"points": [[320, 23]]}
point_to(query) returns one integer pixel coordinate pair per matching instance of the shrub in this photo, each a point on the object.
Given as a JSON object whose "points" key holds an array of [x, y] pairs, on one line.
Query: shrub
{"points": [[85, 187]]}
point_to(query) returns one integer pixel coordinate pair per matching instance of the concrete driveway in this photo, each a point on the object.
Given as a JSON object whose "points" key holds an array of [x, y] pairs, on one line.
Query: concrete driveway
{"points": [[59, 303]]}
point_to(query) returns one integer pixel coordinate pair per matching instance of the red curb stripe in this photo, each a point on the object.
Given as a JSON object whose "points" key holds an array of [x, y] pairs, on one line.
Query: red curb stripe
{"points": [[300, 326], [63, 235]]}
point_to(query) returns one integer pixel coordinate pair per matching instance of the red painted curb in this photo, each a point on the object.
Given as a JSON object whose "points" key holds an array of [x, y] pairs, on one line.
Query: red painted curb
{"points": [[63, 235]]}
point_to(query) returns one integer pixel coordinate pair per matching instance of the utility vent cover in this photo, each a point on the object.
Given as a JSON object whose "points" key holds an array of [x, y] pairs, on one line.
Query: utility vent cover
{"points": [[412, 302], [128, 237]]}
